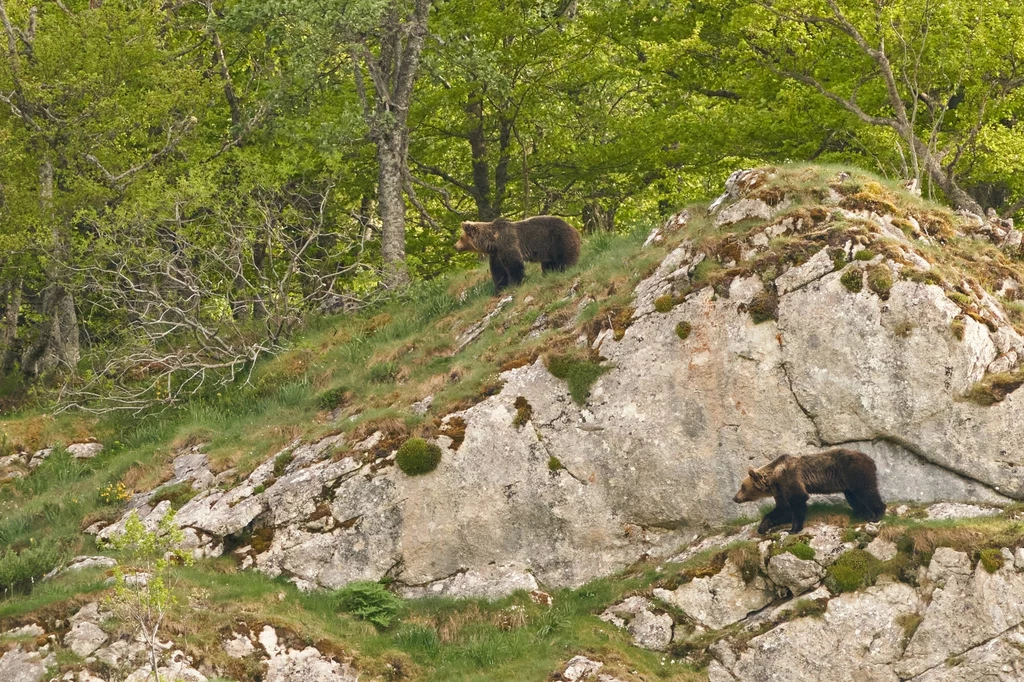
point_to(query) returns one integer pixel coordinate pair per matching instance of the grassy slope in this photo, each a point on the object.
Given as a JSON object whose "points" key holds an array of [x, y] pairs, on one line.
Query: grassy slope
{"points": [[380, 362]]}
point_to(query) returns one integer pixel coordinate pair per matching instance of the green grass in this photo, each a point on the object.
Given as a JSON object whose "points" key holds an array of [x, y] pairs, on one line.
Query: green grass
{"points": [[580, 374]]}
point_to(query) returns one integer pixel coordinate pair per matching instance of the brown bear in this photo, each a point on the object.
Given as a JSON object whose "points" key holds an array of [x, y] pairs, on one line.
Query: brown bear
{"points": [[546, 239], [790, 480]]}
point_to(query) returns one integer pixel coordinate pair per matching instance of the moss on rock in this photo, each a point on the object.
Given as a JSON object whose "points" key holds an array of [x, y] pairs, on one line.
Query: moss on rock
{"points": [[417, 457]]}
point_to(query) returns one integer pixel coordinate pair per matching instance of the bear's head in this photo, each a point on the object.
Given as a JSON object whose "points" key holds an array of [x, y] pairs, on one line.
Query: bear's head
{"points": [[755, 486], [476, 237]]}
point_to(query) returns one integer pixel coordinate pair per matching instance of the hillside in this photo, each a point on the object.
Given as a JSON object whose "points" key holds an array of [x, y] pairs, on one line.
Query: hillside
{"points": [[592, 426]]}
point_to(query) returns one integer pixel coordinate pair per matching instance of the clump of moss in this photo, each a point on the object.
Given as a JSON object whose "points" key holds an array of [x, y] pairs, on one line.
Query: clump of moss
{"points": [[991, 559], [580, 374], [281, 463], [764, 307], [683, 330], [524, 412], [909, 622], [838, 259], [747, 558], [555, 464], [852, 280], [801, 550], [417, 457], [806, 608], [663, 304], [957, 328], [332, 398], [962, 300], [177, 494], [704, 272], [880, 280], [995, 387], [261, 539], [621, 322], [852, 570], [454, 428], [864, 255]]}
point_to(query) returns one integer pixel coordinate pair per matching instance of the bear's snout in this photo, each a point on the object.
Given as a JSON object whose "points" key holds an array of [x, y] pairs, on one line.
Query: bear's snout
{"points": [[736, 498]]}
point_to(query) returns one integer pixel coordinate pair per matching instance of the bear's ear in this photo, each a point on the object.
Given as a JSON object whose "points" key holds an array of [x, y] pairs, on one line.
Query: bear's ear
{"points": [[468, 227], [759, 479]]}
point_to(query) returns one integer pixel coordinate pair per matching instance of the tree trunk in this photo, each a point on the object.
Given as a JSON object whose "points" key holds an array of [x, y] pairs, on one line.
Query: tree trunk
{"points": [[481, 170], [391, 157], [944, 179], [9, 332], [57, 344], [597, 219]]}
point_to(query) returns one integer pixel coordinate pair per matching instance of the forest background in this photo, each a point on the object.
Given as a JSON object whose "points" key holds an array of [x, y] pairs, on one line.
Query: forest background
{"points": [[183, 184]]}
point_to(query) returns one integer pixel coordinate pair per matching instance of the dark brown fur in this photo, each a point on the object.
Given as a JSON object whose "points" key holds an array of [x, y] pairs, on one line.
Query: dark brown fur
{"points": [[790, 480], [544, 239]]}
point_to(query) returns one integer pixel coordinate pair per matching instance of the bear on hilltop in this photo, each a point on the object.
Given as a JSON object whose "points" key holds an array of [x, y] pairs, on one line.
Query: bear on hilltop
{"points": [[544, 239], [790, 480]]}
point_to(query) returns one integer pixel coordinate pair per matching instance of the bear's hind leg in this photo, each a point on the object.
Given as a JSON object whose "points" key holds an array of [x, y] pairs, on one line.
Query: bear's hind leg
{"points": [[860, 510], [799, 505]]}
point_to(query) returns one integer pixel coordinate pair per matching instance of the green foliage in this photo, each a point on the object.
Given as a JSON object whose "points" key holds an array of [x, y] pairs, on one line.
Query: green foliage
{"points": [[331, 398], [524, 411], [962, 300], [764, 306], [554, 464], [880, 280], [664, 304], [178, 494], [991, 559], [683, 330], [282, 461], [852, 570], [864, 255], [993, 388], [580, 374], [853, 280], [801, 550], [383, 372], [417, 456], [957, 328], [369, 601], [19, 569]]}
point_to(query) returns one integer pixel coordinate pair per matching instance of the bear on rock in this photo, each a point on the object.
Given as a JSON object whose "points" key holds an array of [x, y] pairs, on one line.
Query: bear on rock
{"points": [[544, 239], [790, 480]]}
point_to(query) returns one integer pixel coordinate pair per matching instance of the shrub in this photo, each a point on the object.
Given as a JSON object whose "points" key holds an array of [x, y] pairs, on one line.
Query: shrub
{"points": [[880, 280], [764, 307], [663, 304], [801, 550], [854, 569], [852, 280], [579, 374], [178, 494], [683, 330], [864, 255], [524, 411], [331, 398], [19, 570], [281, 463], [417, 456], [369, 601], [991, 559], [383, 372]]}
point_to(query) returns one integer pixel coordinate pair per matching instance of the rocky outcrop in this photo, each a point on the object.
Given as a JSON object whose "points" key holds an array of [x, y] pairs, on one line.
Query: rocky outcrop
{"points": [[666, 435], [721, 599]]}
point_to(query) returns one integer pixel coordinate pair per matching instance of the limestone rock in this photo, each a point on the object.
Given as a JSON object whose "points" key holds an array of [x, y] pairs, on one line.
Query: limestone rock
{"points": [[827, 543], [721, 599], [883, 550], [799, 575], [818, 266], [491, 583], [84, 638], [82, 563], [582, 669], [858, 639], [999, 659], [649, 631], [176, 671], [968, 609], [84, 450], [744, 209], [25, 631], [238, 646], [22, 666], [952, 510]]}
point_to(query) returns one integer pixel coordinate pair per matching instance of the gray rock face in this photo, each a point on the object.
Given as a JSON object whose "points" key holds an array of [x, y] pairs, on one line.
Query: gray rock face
{"points": [[85, 450], [307, 665], [968, 608], [999, 659], [721, 599], [582, 669], [649, 631], [22, 666], [85, 638], [799, 575], [858, 640]]}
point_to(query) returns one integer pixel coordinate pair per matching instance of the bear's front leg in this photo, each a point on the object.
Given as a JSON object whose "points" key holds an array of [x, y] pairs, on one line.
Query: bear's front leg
{"points": [[781, 514], [799, 505]]}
